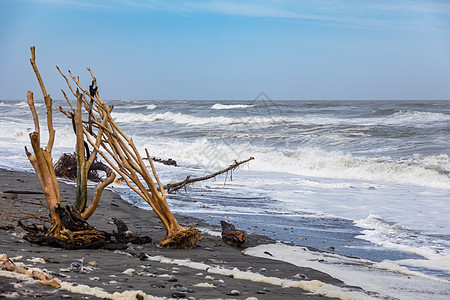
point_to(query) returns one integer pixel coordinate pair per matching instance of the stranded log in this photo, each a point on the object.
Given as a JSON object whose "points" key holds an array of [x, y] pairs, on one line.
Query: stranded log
{"points": [[171, 187]]}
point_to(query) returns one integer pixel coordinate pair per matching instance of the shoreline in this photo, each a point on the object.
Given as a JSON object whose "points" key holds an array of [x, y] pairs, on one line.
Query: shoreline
{"points": [[211, 270]]}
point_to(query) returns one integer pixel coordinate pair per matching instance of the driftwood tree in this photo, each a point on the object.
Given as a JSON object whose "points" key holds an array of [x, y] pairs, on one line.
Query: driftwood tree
{"points": [[122, 155], [68, 228]]}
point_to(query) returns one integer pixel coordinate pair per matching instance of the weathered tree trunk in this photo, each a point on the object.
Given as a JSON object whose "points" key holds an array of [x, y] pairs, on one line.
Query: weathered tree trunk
{"points": [[41, 160], [82, 171]]}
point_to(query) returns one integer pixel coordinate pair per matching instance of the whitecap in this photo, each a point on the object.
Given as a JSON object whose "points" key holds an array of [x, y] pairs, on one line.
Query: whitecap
{"points": [[186, 119], [231, 106]]}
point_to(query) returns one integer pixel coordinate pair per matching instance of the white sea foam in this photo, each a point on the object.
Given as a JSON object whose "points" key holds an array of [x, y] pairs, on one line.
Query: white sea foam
{"points": [[186, 119], [401, 118], [85, 289], [394, 236], [230, 106], [313, 286], [417, 169], [411, 117], [382, 280]]}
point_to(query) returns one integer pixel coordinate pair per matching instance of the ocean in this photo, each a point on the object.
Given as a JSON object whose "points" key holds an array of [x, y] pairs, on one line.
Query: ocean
{"points": [[366, 179]]}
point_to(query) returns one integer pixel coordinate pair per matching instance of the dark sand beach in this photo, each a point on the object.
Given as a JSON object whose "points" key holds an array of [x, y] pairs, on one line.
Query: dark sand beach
{"points": [[167, 273]]}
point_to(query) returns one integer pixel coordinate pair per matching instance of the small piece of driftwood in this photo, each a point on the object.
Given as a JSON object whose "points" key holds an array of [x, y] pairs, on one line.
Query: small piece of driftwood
{"points": [[231, 236]]}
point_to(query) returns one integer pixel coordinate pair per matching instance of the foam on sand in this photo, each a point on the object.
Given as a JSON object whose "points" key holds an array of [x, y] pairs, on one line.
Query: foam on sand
{"points": [[85, 289], [380, 280], [313, 286]]}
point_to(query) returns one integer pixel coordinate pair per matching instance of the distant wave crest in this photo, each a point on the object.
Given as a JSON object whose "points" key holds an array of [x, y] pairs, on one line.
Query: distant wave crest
{"points": [[416, 117], [231, 106]]}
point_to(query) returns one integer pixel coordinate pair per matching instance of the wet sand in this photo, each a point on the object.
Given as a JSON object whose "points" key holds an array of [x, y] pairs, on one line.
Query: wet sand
{"points": [[204, 272]]}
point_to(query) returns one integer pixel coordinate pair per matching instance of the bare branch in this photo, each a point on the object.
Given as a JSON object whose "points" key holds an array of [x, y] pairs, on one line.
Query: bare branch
{"points": [[33, 111], [178, 185]]}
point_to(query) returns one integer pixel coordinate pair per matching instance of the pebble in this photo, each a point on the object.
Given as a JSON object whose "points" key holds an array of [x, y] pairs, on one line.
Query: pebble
{"points": [[233, 293], [301, 276], [176, 286], [178, 295], [160, 285], [130, 272], [260, 292], [185, 290], [147, 269]]}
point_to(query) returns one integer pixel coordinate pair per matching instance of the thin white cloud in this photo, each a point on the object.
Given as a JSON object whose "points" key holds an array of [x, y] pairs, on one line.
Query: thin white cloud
{"points": [[423, 7], [243, 9], [400, 14]]}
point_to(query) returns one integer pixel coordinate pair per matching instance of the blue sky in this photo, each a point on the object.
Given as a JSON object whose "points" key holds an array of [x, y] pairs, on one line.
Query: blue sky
{"points": [[213, 49]]}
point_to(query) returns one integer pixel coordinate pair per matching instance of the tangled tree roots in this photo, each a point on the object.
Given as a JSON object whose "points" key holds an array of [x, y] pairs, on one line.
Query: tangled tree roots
{"points": [[66, 167], [186, 238], [75, 233]]}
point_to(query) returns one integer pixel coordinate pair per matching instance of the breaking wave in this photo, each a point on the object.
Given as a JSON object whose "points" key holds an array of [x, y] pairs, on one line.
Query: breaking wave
{"points": [[401, 118], [186, 119], [431, 171]]}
